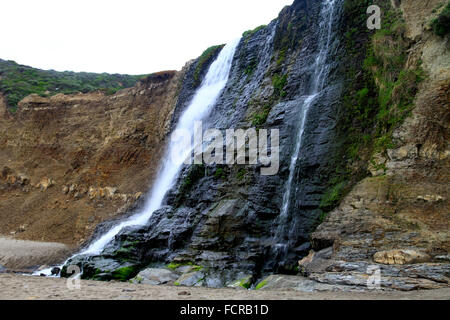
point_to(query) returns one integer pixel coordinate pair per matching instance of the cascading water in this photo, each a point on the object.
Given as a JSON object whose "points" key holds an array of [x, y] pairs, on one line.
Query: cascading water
{"points": [[205, 97], [320, 71]]}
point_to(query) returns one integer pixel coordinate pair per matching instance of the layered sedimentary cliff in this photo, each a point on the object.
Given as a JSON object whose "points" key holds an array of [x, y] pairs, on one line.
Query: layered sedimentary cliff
{"points": [[71, 162], [404, 203], [368, 189]]}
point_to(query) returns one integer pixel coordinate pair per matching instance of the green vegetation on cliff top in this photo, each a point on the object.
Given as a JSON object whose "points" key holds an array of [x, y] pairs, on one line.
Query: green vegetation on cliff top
{"points": [[18, 81], [203, 59], [252, 32]]}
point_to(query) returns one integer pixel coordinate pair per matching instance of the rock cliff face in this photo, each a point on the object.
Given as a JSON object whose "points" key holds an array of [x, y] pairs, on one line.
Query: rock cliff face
{"points": [[406, 205], [227, 220], [369, 187]]}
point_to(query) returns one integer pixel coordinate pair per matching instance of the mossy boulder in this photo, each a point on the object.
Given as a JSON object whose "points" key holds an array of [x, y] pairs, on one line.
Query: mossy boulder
{"points": [[243, 283]]}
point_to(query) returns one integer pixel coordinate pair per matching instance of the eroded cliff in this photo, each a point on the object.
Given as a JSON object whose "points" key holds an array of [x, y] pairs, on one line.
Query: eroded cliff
{"points": [[70, 162]]}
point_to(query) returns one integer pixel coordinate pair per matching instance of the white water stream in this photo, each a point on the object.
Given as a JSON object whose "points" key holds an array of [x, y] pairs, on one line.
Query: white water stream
{"points": [[320, 73], [205, 97]]}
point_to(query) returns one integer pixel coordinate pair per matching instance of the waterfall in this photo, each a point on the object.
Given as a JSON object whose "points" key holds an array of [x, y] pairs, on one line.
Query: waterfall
{"points": [[320, 71], [202, 102], [205, 97]]}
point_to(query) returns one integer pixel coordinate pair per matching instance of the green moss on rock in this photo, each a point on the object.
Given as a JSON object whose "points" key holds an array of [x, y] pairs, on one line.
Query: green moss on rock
{"points": [[261, 284], [332, 196], [196, 172], [249, 33], [441, 24], [206, 56], [378, 95], [175, 265], [260, 118], [279, 82], [125, 273]]}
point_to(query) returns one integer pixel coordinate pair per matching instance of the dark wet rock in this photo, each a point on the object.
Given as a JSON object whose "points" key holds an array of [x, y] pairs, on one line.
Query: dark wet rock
{"points": [[102, 268], [191, 279], [316, 261], [227, 220], [124, 212], [55, 271]]}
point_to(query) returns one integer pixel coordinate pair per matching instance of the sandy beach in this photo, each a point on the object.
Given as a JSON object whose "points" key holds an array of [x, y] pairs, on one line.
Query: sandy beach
{"points": [[25, 256], [20, 287], [22, 256]]}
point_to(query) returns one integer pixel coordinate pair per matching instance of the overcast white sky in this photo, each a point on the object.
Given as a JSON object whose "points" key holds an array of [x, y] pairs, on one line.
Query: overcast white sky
{"points": [[131, 36]]}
